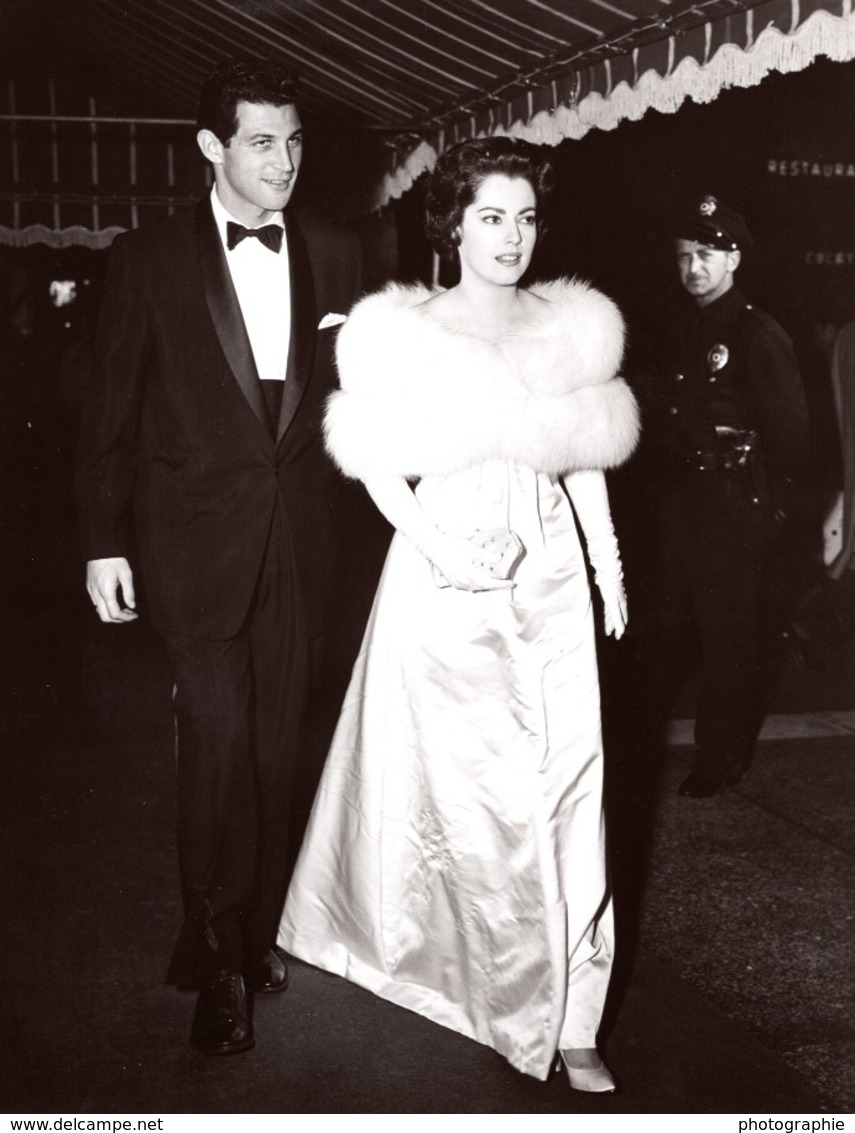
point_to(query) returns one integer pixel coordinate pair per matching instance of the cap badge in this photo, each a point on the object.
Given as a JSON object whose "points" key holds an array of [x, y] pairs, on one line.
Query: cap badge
{"points": [[717, 357], [708, 206]]}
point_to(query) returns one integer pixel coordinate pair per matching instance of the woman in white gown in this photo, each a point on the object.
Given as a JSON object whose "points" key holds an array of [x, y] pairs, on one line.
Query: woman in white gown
{"points": [[454, 862]]}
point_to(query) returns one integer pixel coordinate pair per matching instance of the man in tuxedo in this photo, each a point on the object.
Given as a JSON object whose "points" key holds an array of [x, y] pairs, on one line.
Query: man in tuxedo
{"points": [[201, 466]]}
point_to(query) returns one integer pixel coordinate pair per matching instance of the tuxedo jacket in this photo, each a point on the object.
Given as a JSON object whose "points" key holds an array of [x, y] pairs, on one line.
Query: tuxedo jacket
{"points": [[179, 466]]}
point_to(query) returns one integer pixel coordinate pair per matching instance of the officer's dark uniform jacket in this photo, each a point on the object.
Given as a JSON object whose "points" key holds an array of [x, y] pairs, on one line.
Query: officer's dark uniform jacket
{"points": [[728, 382], [726, 427]]}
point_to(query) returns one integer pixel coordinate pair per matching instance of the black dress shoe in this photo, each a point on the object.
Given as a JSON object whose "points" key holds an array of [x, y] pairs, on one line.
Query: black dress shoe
{"points": [[702, 785], [269, 974], [221, 1024]]}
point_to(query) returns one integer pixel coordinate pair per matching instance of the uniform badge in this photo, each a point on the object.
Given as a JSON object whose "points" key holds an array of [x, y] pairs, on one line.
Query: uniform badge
{"points": [[717, 357], [707, 206]]}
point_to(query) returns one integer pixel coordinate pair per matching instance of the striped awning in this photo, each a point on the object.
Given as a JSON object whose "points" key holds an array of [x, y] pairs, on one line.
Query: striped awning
{"points": [[650, 54], [410, 76]]}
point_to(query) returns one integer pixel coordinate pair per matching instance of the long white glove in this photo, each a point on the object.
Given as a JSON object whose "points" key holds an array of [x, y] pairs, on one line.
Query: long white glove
{"points": [[589, 496], [459, 560]]}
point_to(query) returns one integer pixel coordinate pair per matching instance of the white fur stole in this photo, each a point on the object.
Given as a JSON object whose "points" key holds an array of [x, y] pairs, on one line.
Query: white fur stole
{"points": [[420, 397]]}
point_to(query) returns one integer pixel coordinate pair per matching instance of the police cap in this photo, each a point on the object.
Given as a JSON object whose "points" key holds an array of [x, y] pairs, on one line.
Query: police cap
{"points": [[711, 222]]}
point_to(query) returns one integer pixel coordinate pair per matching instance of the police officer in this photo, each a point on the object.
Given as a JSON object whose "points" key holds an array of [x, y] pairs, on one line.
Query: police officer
{"points": [[728, 424]]}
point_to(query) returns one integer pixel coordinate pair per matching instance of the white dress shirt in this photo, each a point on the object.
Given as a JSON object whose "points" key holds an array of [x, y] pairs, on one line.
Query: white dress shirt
{"points": [[263, 285]]}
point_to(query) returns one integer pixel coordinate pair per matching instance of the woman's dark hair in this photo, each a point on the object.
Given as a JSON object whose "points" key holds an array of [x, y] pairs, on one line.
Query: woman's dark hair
{"points": [[242, 80], [459, 173]]}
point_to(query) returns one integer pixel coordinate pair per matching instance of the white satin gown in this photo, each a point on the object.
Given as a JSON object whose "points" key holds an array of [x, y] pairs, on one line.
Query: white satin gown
{"points": [[454, 861]]}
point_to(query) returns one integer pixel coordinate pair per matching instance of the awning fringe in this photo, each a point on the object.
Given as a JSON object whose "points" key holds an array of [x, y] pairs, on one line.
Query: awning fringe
{"points": [[75, 236], [821, 34]]}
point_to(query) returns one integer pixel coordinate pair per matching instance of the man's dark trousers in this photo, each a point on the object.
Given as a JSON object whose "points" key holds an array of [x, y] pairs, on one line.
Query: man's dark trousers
{"points": [[238, 709]]}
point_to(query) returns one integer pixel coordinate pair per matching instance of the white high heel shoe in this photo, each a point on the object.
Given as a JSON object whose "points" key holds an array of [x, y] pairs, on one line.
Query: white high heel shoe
{"points": [[589, 1079]]}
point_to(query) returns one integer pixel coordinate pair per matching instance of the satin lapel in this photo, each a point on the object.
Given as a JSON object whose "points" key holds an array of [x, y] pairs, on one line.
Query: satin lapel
{"points": [[225, 311], [301, 351]]}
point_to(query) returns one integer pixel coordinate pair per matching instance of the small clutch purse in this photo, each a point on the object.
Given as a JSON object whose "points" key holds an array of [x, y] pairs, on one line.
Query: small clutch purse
{"points": [[499, 539]]}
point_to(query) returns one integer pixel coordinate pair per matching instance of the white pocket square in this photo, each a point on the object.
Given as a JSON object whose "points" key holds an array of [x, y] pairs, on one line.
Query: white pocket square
{"points": [[331, 320]]}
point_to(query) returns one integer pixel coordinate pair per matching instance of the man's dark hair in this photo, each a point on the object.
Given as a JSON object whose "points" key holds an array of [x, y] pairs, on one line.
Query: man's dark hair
{"points": [[459, 173], [242, 80]]}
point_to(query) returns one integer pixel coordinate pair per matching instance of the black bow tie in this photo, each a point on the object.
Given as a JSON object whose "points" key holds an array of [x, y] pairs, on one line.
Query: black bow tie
{"points": [[270, 235]]}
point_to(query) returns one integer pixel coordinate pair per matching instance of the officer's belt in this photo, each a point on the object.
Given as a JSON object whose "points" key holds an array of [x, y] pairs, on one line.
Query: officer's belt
{"points": [[732, 455]]}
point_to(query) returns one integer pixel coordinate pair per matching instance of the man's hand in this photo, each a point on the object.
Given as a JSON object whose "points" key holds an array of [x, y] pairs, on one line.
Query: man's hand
{"points": [[105, 578]]}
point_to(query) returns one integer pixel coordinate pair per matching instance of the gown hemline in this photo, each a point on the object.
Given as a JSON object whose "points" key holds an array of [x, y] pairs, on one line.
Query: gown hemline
{"points": [[337, 960]]}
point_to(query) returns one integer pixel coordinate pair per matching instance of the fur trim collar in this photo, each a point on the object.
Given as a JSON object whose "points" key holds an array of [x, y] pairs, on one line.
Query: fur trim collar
{"points": [[420, 396]]}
